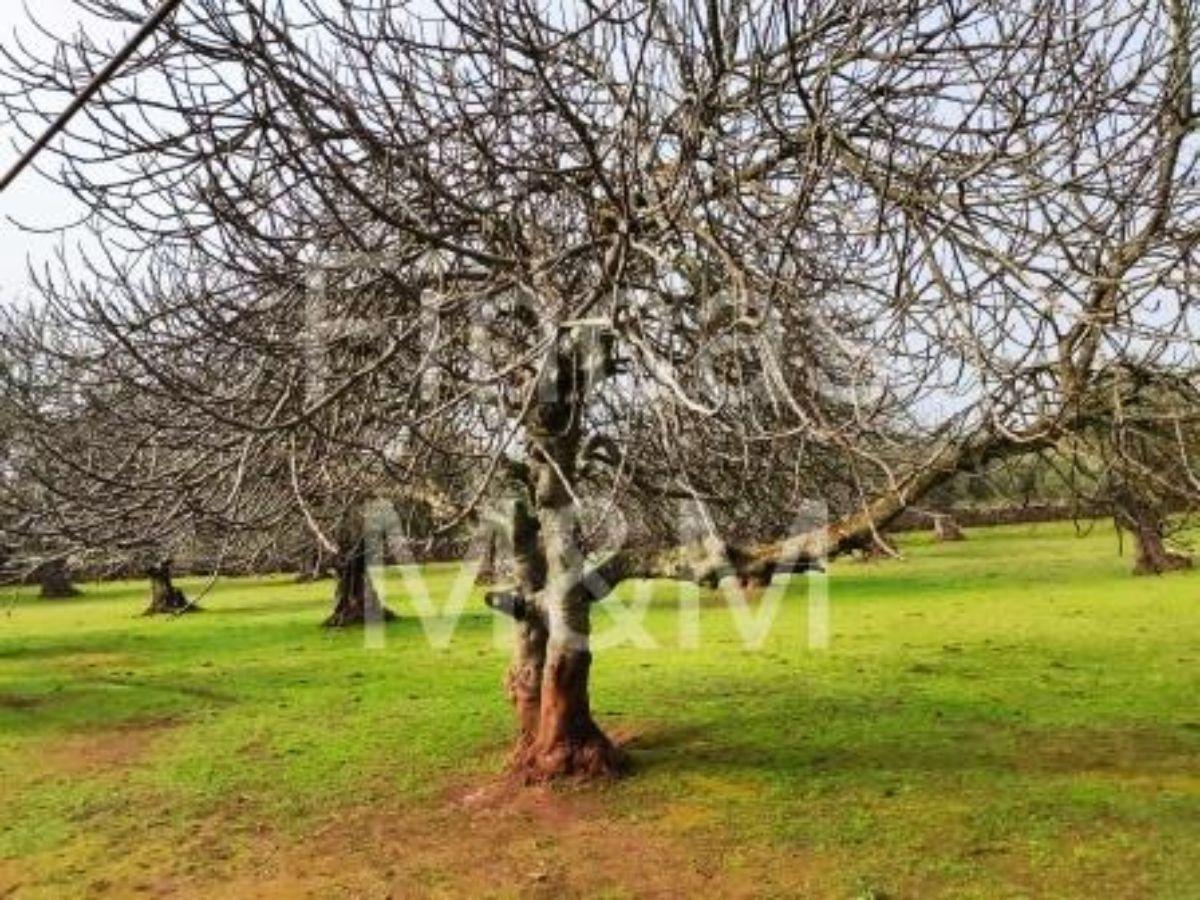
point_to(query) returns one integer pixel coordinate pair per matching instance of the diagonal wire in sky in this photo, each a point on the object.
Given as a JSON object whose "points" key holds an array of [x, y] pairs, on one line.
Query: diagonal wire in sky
{"points": [[152, 23]]}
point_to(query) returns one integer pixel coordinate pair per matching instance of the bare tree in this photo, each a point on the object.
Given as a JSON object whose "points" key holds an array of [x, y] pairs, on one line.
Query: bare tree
{"points": [[731, 255]]}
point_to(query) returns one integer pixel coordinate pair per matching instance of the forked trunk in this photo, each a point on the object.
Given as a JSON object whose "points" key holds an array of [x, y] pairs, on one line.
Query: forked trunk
{"points": [[165, 598], [55, 580], [355, 601], [556, 617]]}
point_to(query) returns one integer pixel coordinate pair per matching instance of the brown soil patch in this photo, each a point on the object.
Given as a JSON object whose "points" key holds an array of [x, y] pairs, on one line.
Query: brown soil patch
{"points": [[10, 880], [497, 839], [1131, 752], [117, 748]]}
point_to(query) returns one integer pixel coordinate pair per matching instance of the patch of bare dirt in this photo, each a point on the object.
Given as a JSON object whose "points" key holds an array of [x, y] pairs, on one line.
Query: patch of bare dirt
{"points": [[498, 839], [108, 750], [481, 838], [1114, 753], [10, 880]]}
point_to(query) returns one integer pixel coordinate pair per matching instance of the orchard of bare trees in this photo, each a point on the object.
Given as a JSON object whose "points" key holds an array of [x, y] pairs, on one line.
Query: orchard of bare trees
{"points": [[647, 283]]}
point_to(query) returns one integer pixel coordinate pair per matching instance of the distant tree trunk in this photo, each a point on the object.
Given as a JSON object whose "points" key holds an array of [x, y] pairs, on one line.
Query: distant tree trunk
{"points": [[945, 528], [355, 600], [488, 573], [1145, 522], [313, 566], [165, 598], [55, 580]]}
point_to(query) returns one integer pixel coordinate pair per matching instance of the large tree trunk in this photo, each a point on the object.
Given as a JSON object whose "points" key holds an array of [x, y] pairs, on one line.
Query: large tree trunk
{"points": [[562, 739], [553, 635], [355, 600], [165, 598], [1153, 556], [568, 741], [1145, 522], [55, 580]]}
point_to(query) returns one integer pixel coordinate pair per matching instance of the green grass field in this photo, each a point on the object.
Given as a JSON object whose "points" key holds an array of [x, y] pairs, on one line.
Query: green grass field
{"points": [[1013, 716]]}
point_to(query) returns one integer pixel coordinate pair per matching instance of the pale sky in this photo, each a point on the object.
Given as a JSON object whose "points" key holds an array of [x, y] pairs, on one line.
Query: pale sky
{"points": [[31, 200]]}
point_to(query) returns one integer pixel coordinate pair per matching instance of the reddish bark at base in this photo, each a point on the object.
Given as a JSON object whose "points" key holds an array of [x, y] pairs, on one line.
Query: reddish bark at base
{"points": [[550, 561], [568, 743]]}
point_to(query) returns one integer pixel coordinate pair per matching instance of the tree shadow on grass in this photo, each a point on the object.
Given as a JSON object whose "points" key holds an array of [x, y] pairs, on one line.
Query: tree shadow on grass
{"points": [[1118, 751], [320, 607], [157, 636]]}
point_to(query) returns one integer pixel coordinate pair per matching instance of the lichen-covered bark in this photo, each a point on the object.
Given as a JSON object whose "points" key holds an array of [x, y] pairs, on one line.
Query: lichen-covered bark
{"points": [[524, 680]]}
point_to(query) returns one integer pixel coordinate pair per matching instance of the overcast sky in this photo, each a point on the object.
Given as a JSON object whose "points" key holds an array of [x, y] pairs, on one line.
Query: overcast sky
{"points": [[31, 200]]}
